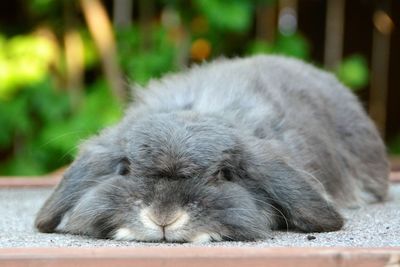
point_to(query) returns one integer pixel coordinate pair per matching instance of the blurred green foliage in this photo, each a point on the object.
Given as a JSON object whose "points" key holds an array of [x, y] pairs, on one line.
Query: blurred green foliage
{"points": [[238, 19], [141, 62], [24, 60], [394, 146], [41, 131], [41, 128], [290, 45], [353, 72]]}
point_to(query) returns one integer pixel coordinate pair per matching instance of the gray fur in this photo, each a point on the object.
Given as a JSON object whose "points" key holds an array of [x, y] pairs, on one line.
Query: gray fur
{"points": [[243, 146]]}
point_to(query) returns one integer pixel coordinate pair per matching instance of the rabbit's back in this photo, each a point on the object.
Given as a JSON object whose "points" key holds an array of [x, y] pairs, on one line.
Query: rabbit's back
{"points": [[316, 120], [329, 132]]}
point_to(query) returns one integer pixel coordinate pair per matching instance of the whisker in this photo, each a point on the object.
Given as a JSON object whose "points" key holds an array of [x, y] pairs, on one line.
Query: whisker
{"points": [[60, 136], [318, 182], [97, 211], [100, 182], [276, 209]]}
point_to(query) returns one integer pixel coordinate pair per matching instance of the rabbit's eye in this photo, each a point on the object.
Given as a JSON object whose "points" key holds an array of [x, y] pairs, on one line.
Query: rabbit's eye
{"points": [[220, 176], [225, 174], [123, 167]]}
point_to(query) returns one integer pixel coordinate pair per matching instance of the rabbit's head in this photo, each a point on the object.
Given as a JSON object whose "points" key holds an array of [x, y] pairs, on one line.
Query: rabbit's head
{"points": [[182, 177]]}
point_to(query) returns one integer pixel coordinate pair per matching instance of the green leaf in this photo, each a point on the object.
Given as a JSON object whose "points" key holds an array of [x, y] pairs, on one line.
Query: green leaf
{"points": [[43, 6], [260, 47], [394, 146], [353, 72], [91, 56], [294, 45], [143, 63], [234, 15]]}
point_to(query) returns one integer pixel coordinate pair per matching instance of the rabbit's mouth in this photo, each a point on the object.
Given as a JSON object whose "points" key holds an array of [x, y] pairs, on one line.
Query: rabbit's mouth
{"points": [[126, 234], [171, 228]]}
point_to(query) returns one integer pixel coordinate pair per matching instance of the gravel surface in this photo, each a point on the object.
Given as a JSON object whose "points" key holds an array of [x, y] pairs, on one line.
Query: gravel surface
{"points": [[376, 225]]}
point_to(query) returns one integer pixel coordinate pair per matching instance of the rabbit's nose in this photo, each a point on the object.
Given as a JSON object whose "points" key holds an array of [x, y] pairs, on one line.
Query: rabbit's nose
{"points": [[170, 221]]}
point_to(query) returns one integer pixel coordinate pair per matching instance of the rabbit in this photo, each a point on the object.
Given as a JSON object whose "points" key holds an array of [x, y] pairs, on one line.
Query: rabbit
{"points": [[229, 150]]}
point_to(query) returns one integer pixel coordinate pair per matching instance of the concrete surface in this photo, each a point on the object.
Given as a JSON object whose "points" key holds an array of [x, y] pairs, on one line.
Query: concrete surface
{"points": [[376, 225]]}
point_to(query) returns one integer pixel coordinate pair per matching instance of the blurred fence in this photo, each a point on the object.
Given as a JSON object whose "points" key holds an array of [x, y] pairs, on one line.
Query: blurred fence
{"points": [[338, 28]]}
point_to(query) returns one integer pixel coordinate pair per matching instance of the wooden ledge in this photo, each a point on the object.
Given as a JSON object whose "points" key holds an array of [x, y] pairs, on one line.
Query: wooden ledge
{"points": [[200, 256], [395, 176], [49, 180]]}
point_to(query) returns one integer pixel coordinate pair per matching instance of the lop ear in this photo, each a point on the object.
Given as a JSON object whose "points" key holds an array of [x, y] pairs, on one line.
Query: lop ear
{"points": [[98, 157], [303, 204], [61, 200], [86, 171]]}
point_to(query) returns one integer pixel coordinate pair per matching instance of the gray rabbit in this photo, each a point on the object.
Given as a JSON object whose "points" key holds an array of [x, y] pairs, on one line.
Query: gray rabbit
{"points": [[228, 150]]}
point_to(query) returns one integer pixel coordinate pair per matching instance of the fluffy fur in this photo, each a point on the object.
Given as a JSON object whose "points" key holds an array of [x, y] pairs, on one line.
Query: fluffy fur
{"points": [[228, 150]]}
